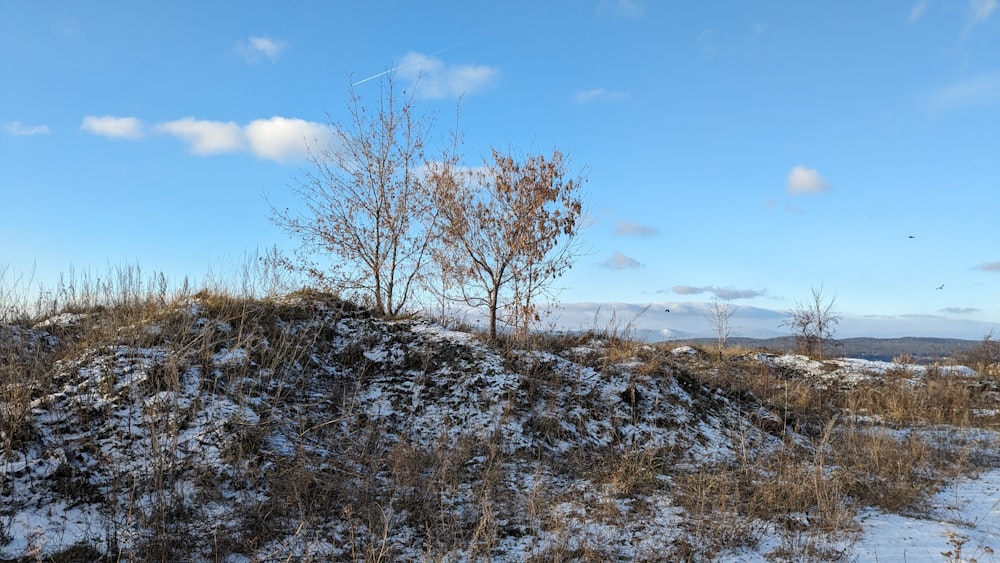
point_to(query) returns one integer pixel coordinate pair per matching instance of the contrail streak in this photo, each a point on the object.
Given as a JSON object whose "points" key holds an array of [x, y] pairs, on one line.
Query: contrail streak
{"points": [[435, 53], [383, 73]]}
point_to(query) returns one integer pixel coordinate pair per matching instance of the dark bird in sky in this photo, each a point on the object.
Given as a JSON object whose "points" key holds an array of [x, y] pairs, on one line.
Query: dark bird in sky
{"points": [[911, 236], [940, 287], [667, 310]]}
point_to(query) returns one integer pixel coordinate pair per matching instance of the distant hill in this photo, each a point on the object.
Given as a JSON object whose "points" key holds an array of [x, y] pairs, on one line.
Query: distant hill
{"points": [[925, 350]]}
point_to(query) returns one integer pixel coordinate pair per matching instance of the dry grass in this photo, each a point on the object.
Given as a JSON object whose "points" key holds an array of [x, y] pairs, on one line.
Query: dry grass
{"points": [[468, 495], [984, 358], [934, 398], [812, 490]]}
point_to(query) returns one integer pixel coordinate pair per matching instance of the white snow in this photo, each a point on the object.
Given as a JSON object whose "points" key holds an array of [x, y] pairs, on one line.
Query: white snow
{"points": [[965, 515], [235, 357], [110, 416]]}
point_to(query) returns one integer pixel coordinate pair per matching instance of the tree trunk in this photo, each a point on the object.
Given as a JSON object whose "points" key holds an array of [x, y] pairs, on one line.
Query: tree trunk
{"points": [[493, 312]]}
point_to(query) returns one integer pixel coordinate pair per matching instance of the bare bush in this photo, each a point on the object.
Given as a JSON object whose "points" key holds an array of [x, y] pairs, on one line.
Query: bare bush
{"points": [[984, 357], [367, 208], [718, 318], [813, 323]]}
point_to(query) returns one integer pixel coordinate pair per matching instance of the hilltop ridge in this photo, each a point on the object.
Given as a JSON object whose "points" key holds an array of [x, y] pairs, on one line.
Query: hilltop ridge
{"points": [[218, 428]]}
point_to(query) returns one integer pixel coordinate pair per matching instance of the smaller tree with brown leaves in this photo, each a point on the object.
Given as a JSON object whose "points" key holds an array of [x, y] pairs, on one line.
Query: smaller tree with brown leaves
{"points": [[509, 231], [813, 323]]}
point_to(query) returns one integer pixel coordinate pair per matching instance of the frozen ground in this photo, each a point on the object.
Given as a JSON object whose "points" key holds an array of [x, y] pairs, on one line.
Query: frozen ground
{"points": [[963, 525], [183, 439]]}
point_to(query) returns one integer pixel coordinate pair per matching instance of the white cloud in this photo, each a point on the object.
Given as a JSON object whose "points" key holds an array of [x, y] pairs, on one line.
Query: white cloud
{"points": [[802, 180], [434, 79], [16, 128], [599, 94], [414, 64], [113, 127], [621, 262], [256, 48], [283, 139], [206, 137], [269, 47]]}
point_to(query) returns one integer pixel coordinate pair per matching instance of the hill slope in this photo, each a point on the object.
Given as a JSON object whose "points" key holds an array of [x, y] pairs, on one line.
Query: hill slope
{"points": [[220, 429]]}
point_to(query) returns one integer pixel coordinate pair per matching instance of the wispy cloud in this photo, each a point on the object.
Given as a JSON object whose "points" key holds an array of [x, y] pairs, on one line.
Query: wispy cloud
{"points": [[619, 261], [721, 292], [625, 228], [692, 289], [113, 127], [599, 95], [706, 42], [989, 267], [981, 10], [978, 12], [729, 293], [622, 8], [434, 79], [802, 180], [67, 26], [918, 9], [256, 49], [960, 310], [18, 129], [979, 90], [206, 137]]}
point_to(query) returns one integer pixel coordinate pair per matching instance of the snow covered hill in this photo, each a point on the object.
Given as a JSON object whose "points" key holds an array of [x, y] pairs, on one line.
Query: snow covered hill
{"points": [[218, 429]]}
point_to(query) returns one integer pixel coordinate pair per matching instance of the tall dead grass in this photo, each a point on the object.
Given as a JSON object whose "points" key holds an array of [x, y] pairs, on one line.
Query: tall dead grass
{"points": [[340, 466], [810, 490]]}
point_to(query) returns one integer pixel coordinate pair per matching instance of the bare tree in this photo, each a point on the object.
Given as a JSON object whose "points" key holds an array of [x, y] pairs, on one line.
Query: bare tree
{"points": [[813, 323], [984, 357], [718, 318], [367, 208], [509, 229]]}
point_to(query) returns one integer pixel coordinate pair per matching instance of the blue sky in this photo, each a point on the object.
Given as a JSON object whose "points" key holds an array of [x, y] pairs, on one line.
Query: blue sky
{"points": [[747, 149]]}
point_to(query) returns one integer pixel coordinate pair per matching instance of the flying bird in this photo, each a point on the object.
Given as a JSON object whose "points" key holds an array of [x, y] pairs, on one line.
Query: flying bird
{"points": [[940, 287], [911, 236], [667, 310]]}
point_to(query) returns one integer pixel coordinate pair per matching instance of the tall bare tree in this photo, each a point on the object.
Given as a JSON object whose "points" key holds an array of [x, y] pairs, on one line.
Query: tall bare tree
{"points": [[367, 208], [509, 230], [813, 323]]}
